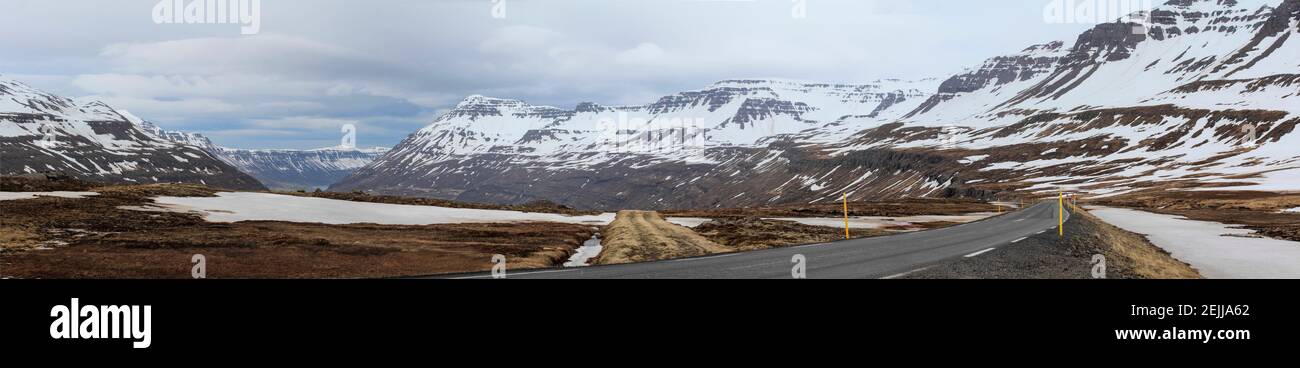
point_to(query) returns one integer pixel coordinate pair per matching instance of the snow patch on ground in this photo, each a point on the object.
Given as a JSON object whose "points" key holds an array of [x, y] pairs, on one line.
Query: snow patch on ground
{"points": [[973, 159], [12, 196], [582, 257], [1205, 246], [690, 222], [234, 207]]}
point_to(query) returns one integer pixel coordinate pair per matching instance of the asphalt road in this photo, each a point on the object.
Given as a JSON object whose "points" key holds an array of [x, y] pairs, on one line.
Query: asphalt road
{"points": [[879, 257]]}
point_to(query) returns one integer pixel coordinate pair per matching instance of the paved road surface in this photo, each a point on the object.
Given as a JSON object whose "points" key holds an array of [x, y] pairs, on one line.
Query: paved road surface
{"points": [[878, 257]]}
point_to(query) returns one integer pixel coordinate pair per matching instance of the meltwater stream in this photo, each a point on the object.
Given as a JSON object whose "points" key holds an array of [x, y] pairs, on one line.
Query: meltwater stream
{"points": [[589, 249]]}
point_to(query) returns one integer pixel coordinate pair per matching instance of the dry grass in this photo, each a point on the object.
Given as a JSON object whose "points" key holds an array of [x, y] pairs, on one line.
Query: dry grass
{"points": [[291, 250], [141, 192], [1207, 200], [94, 238], [641, 236], [15, 238], [745, 234]]}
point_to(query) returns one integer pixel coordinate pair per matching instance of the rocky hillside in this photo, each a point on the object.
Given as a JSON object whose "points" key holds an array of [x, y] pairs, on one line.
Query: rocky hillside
{"points": [[1205, 96], [278, 169], [685, 149], [1201, 97], [44, 133], [300, 169]]}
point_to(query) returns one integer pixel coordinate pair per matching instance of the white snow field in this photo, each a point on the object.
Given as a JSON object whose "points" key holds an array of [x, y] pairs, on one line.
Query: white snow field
{"points": [[12, 196], [239, 206], [1204, 245]]}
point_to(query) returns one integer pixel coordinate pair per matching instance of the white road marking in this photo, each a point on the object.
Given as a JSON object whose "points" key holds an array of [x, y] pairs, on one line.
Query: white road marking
{"points": [[976, 254], [1018, 220], [704, 258], [905, 273], [755, 266], [1018, 240]]}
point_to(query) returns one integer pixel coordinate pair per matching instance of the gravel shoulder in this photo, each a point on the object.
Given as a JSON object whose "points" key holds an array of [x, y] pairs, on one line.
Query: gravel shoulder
{"points": [[1050, 256]]}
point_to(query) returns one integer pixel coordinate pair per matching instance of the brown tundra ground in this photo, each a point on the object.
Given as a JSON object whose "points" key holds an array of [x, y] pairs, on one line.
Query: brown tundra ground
{"points": [[99, 237], [94, 237]]}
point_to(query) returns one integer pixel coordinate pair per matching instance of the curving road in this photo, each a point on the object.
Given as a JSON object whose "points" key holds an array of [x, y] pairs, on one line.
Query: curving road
{"points": [[879, 257]]}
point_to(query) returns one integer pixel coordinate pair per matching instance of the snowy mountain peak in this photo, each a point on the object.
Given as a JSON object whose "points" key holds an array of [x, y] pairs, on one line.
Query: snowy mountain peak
{"points": [[1189, 44], [476, 107], [1046, 48]]}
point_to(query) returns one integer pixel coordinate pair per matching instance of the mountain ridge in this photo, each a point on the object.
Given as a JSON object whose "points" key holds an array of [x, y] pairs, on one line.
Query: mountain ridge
{"points": [[278, 169], [41, 132], [1173, 105]]}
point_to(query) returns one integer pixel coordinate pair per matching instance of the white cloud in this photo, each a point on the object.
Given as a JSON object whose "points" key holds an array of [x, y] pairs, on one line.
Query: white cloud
{"points": [[519, 40], [176, 110], [302, 123], [392, 65], [644, 54]]}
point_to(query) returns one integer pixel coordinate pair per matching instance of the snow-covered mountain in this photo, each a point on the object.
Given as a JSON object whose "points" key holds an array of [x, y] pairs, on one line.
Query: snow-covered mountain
{"points": [[499, 150], [41, 132], [1206, 96], [278, 169], [300, 169]]}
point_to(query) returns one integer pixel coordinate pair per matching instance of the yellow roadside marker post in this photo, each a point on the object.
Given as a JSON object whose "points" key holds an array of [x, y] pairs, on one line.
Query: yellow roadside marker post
{"points": [[1061, 216], [846, 217]]}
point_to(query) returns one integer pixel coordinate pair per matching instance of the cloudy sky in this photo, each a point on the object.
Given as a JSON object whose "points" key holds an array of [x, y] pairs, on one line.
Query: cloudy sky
{"points": [[390, 67]]}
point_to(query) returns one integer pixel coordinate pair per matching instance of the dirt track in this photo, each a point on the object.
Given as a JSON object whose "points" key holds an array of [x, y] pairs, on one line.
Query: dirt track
{"points": [[639, 236]]}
